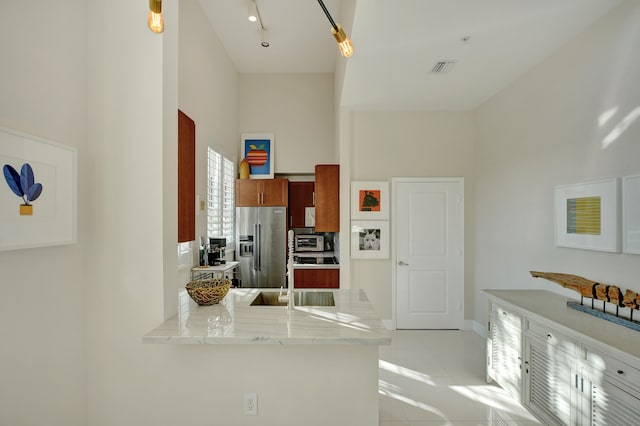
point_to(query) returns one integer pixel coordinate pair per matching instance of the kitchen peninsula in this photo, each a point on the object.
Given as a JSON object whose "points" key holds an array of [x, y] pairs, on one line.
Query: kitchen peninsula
{"points": [[310, 359]]}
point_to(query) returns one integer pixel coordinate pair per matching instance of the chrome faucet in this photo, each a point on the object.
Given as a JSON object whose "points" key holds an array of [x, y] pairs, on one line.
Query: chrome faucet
{"points": [[290, 274]]}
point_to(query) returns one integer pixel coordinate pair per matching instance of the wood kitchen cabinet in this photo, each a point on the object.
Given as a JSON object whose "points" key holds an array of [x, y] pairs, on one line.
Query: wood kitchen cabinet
{"points": [[316, 278], [327, 188], [301, 196], [262, 192], [186, 178]]}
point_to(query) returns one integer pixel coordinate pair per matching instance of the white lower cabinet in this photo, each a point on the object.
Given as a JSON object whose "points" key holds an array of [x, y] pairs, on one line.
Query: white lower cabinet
{"points": [[559, 375], [548, 384], [504, 349]]}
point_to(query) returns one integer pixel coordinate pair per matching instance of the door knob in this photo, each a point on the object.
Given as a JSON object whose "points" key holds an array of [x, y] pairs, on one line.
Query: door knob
{"points": [[401, 263]]}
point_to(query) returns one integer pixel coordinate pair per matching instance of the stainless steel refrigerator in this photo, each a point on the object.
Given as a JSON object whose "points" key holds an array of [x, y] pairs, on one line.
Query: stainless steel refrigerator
{"points": [[261, 236]]}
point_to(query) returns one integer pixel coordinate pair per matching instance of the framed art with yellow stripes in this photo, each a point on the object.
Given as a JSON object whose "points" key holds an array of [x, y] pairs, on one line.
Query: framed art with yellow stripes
{"points": [[587, 215]]}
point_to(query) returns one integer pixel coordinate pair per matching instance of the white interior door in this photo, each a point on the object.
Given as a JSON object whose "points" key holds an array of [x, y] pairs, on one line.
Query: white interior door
{"points": [[429, 253]]}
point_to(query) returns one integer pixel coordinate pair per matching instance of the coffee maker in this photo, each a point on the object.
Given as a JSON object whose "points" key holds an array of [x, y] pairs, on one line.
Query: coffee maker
{"points": [[216, 251]]}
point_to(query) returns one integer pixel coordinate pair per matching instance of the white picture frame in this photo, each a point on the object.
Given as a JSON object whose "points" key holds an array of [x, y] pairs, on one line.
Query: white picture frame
{"points": [[375, 247], [48, 216], [586, 215], [631, 214], [258, 149], [369, 200]]}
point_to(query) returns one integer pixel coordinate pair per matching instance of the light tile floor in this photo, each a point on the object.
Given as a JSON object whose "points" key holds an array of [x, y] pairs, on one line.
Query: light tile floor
{"points": [[437, 377]]}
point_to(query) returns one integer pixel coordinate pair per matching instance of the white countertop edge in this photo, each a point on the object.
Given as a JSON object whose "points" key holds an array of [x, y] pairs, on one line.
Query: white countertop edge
{"points": [[264, 340], [315, 266], [351, 322]]}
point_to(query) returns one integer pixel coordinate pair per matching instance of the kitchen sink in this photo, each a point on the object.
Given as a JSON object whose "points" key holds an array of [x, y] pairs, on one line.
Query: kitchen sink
{"points": [[300, 298]]}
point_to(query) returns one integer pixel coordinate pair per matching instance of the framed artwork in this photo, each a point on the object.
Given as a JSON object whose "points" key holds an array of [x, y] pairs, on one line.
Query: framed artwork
{"points": [[586, 215], [37, 192], [370, 239], [370, 200], [258, 149], [631, 214]]}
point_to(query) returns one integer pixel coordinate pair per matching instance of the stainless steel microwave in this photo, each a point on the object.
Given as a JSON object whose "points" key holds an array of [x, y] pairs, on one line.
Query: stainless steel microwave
{"points": [[309, 242]]}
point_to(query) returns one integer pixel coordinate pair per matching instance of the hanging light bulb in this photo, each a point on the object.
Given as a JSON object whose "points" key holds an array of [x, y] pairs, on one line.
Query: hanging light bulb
{"points": [[344, 44], [155, 20]]}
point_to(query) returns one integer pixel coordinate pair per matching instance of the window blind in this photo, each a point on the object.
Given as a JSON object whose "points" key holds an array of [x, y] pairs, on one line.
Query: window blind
{"points": [[221, 197]]}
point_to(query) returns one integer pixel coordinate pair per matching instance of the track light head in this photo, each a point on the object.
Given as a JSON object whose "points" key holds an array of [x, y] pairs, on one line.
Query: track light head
{"points": [[265, 38]]}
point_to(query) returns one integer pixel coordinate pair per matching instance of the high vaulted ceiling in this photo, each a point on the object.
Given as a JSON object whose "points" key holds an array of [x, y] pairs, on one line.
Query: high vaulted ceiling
{"points": [[398, 42]]}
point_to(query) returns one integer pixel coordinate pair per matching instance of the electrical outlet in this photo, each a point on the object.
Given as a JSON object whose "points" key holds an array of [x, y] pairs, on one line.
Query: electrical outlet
{"points": [[251, 404]]}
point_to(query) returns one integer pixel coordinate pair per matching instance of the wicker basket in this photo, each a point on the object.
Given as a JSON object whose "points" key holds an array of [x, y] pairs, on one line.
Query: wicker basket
{"points": [[208, 292]]}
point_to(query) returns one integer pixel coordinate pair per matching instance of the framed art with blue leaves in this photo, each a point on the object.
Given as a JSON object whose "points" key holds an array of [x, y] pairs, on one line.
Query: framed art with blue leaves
{"points": [[38, 191]]}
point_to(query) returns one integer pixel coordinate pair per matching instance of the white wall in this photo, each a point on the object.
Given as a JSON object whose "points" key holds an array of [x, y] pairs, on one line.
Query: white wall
{"points": [[543, 131], [409, 144], [43, 92], [208, 93], [125, 268], [298, 109]]}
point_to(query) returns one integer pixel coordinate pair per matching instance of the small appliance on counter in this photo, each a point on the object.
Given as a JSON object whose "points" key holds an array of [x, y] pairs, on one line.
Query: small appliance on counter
{"points": [[216, 251], [309, 242]]}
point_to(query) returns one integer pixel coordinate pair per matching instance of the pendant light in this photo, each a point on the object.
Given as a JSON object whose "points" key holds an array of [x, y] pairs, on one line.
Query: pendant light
{"points": [[344, 44], [155, 20]]}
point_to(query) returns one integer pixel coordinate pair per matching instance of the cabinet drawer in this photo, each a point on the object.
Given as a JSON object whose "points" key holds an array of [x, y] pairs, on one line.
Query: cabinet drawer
{"points": [[499, 311], [552, 337], [614, 369]]}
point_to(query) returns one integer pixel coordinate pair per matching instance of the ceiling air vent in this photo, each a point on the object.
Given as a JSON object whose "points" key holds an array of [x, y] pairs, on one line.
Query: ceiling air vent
{"points": [[442, 67]]}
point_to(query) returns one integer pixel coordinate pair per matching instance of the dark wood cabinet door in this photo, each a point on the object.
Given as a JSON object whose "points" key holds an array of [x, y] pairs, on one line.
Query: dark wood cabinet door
{"points": [[327, 189], [247, 194], [316, 278], [300, 197], [261, 192], [186, 178], [275, 192]]}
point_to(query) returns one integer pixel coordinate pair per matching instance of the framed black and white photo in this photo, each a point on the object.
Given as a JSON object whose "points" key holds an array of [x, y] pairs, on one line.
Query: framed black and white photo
{"points": [[369, 239]]}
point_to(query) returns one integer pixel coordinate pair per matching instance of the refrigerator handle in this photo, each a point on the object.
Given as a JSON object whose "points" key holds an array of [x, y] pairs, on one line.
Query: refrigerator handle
{"points": [[256, 246], [259, 247]]}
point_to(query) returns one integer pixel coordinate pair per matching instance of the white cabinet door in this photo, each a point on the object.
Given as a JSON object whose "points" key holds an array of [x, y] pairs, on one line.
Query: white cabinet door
{"points": [[550, 377], [612, 406], [505, 350]]}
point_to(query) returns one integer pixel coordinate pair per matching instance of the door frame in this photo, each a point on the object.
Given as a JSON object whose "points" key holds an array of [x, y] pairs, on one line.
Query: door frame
{"points": [[394, 241]]}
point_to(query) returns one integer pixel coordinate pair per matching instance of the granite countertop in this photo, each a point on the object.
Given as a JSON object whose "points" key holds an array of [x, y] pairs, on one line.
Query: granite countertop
{"points": [[352, 321]]}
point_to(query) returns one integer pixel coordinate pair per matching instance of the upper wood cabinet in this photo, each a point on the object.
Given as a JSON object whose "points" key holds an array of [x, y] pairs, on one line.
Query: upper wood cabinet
{"points": [[300, 197], [186, 178], [261, 192], [327, 188]]}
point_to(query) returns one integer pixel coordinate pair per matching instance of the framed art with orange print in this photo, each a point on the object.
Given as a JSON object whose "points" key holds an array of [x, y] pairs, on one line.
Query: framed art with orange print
{"points": [[370, 200], [258, 149]]}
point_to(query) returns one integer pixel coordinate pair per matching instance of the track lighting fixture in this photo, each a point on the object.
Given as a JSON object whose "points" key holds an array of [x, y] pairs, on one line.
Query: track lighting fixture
{"points": [[254, 16], [344, 44], [253, 11], [265, 38], [155, 20]]}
